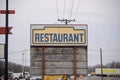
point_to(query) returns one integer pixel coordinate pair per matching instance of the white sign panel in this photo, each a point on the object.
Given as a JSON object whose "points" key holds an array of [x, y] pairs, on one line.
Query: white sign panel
{"points": [[1, 50]]}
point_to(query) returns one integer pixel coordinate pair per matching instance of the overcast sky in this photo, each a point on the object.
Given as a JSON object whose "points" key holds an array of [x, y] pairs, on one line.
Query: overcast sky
{"points": [[102, 17]]}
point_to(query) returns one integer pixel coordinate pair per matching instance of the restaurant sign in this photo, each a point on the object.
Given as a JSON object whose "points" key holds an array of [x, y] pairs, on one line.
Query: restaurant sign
{"points": [[58, 35]]}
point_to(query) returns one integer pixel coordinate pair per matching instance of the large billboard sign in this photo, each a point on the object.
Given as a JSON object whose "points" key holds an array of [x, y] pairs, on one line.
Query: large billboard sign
{"points": [[2, 51], [58, 49], [58, 35]]}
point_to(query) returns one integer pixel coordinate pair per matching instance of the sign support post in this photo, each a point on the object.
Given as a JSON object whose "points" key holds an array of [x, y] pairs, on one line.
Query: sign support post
{"points": [[6, 43], [43, 63], [75, 63]]}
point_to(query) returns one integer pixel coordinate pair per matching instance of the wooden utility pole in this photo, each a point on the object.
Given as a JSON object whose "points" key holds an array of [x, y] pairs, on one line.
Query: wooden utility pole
{"points": [[101, 63]]}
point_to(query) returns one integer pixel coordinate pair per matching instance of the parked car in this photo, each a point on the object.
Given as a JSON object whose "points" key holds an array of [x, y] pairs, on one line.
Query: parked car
{"points": [[36, 78]]}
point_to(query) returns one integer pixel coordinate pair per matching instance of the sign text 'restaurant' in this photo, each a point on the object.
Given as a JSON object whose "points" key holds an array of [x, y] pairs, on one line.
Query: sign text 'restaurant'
{"points": [[53, 37], [58, 35]]}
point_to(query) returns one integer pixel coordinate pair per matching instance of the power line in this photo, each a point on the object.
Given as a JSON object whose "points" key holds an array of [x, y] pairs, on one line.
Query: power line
{"points": [[77, 8], [111, 50], [64, 8], [96, 38], [100, 38], [57, 9], [18, 59], [108, 50], [93, 50], [16, 52], [112, 56], [19, 51], [71, 9]]}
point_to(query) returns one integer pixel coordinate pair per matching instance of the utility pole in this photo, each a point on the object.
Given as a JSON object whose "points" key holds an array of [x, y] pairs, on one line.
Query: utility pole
{"points": [[23, 65], [101, 63], [66, 21], [6, 31], [6, 43]]}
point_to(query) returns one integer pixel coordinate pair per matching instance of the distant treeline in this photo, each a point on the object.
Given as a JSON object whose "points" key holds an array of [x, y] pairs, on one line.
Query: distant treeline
{"points": [[113, 64], [16, 68]]}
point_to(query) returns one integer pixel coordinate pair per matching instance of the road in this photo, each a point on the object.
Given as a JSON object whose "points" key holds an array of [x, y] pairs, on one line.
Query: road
{"points": [[99, 78]]}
